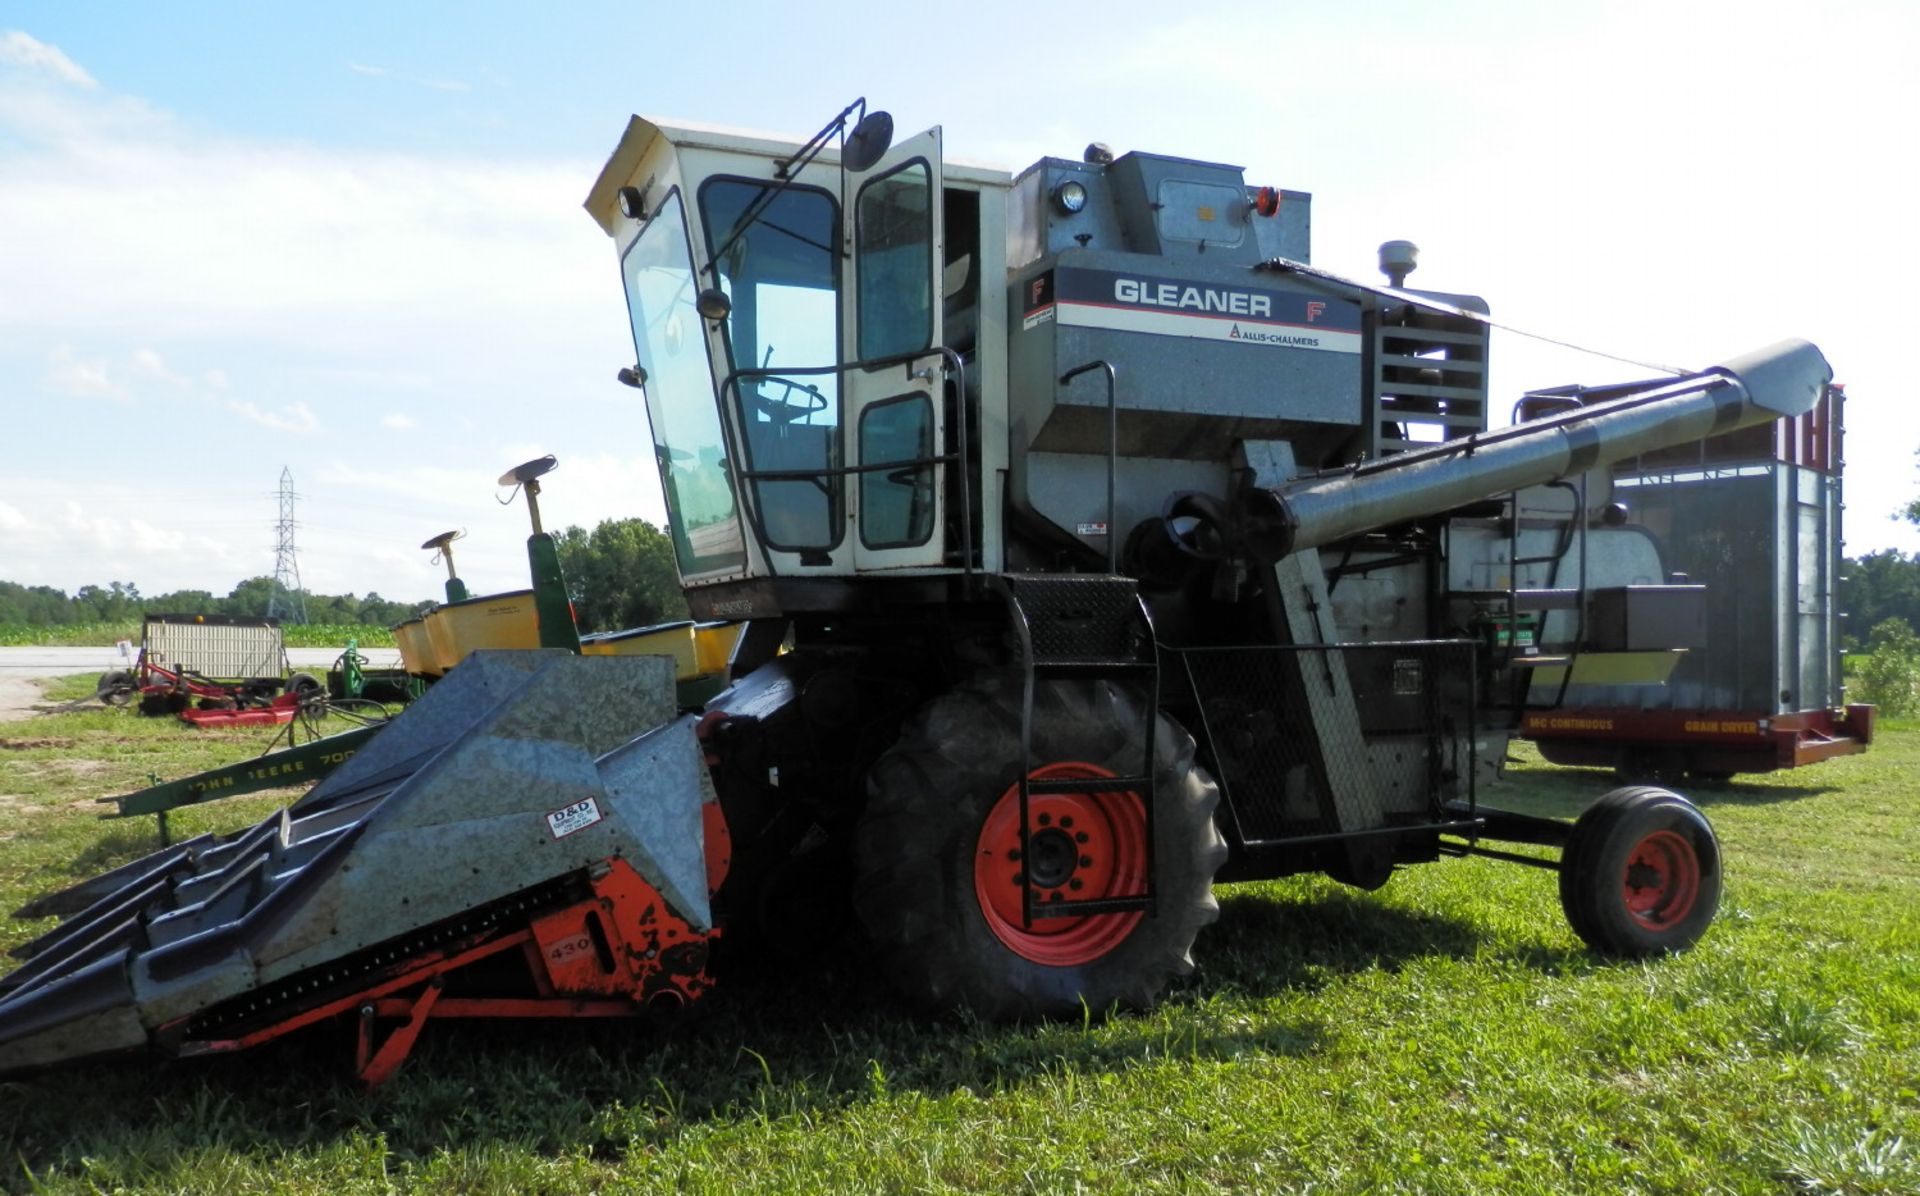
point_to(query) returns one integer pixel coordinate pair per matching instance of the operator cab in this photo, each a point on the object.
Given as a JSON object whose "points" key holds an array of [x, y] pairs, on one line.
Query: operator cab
{"points": [[789, 317]]}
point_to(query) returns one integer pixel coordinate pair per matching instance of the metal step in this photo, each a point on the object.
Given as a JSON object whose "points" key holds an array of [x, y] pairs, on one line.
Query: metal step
{"points": [[1093, 905], [1084, 669], [1077, 618], [1088, 784]]}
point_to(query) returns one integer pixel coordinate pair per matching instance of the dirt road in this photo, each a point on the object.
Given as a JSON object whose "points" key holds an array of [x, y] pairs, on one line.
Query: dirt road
{"points": [[18, 696]]}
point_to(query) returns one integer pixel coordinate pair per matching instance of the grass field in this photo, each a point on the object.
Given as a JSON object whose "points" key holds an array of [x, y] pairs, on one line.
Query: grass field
{"points": [[1447, 1034]]}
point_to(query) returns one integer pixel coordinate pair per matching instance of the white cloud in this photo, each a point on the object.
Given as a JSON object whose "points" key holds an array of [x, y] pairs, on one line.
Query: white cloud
{"points": [[67, 374], [294, 417], [284, 244], [274, 296], [105, 534], [137, 529], [134, 535], [588, 487], [148, 539], [397, 420], [20, 49], [150, 364]]}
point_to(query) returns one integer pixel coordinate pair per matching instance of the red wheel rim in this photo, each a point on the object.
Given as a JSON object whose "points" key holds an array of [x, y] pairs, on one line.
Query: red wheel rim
{"points": [[1084, 846], [1662, 880]]}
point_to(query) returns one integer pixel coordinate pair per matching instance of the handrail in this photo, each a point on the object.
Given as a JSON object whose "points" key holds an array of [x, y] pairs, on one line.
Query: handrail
{"points": [[954, 368], [1113, 451]]}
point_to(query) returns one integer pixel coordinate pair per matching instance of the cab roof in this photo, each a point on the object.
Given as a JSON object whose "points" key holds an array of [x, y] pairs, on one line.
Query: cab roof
{"points": [[641, 132]]}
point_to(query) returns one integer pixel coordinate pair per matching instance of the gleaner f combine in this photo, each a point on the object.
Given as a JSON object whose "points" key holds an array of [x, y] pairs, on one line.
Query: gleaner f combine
{"points": [[1092, 547]]}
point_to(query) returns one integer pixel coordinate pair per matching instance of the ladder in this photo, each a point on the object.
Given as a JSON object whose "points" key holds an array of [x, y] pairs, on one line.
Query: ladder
{"points": [[1089, 627]]}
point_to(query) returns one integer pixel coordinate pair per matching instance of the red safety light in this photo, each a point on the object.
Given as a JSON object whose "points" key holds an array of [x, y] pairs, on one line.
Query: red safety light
{"points": [[1266, 201]]}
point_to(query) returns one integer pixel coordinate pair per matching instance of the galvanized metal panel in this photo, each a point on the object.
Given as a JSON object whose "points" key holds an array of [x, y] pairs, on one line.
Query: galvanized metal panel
{"points": [[218, 649], [1814, 508]]}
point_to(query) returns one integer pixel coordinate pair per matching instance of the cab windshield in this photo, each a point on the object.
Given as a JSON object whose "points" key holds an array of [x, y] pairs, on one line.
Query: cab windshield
{"points": [[687, 441], [781, 274]]}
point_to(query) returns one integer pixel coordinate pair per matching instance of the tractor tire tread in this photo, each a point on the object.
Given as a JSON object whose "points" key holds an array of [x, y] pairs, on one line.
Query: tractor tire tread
{"points": [[914, 892]]}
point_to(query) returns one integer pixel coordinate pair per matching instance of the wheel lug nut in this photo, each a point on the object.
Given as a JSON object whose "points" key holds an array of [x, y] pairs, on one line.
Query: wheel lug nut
{"points": [[1074, 884], [1086, 861], [1014, 855], [1045, 820], [1079, 836], [1066, 820]]}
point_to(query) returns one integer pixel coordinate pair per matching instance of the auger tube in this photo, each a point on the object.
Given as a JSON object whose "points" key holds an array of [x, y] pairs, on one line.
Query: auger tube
{"points": [[1783, 380]]}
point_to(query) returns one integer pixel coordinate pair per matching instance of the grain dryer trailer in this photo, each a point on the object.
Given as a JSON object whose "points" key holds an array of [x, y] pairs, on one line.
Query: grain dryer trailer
{"points": [[1753, 516]]}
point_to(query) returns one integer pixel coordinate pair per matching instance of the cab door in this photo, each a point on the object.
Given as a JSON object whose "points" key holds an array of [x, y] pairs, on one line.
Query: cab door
{"points": [[895, 411]]}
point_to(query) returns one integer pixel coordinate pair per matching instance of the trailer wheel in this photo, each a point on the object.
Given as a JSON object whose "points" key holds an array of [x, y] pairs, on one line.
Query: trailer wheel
{"points": [[1640, 874], [302, 684], [939, 871], [116, 688]]}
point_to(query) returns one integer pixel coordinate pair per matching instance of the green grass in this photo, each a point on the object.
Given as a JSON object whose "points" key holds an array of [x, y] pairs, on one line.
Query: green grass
{"points": [[1446, 1034], [87, 635]]}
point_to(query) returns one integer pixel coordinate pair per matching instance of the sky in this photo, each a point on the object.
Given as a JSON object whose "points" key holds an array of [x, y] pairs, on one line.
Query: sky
{"points": [[347, 241]]}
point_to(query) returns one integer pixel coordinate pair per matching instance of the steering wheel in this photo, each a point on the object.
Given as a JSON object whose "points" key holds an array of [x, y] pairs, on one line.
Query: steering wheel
{"points": [[787, 408]]}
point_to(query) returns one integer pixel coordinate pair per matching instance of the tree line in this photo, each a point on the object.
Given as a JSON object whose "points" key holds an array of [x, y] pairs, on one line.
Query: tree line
{"points": [[1877, 587], [121, 602], [619, 575]]}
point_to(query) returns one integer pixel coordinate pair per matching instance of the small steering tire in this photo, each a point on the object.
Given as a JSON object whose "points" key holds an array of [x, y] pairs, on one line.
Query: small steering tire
{"points": [[1640, 874]]}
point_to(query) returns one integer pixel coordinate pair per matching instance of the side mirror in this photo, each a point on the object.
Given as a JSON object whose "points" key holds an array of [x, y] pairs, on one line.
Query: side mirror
{"points": [[868, 141]]}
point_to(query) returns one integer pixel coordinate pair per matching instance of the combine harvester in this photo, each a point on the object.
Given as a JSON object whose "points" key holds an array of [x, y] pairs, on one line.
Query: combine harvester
{"points": [[1092, 547]]}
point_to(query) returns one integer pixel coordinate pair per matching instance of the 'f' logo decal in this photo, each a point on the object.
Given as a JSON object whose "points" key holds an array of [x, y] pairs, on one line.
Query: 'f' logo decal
{"points": [[1039, 288], [1314, 308]]}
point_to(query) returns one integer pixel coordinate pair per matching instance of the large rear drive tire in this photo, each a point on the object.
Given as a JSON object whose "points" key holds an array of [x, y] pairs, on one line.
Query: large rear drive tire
{"points": [[939, 868], [1640, 874]]}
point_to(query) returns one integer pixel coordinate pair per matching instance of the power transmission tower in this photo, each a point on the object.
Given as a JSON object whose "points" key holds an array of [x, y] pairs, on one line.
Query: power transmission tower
{"points": [[288, 601]]}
